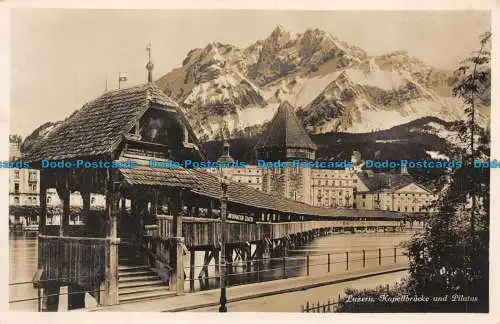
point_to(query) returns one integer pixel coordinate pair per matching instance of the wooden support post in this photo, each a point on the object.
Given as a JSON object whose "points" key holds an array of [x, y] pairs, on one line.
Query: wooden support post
{"points": [[42, 222], [191, 269], [124, 205], [76, 297], [110, 285], [258, 269], [364, 258], [216, 260], [379, 256], [284, 267], [64, 194], [39, 301], [394, 255], [328, 262], [347, 260], [85, 206], [307, 264], [178, 243], [206, 261], [211, 209], [50, 298]]}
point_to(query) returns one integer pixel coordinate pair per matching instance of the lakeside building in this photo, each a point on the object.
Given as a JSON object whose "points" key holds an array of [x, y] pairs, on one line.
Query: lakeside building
{"points": [[353, 188], [24, 188]]}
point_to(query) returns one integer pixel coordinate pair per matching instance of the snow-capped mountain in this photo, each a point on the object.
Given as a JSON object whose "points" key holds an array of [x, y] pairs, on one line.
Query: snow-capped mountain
{"points": [[333, 85]]}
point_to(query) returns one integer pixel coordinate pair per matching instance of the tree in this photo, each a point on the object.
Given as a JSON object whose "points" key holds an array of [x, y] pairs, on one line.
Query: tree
{"points": [[451, 256]]}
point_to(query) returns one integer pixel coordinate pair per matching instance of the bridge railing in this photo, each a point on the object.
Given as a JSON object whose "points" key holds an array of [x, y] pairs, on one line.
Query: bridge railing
{"points": [[311, 263], [72, 260], [207, 231]]}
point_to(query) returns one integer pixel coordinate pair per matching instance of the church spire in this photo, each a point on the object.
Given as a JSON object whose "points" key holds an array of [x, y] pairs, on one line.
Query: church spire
{"points": [[150, 64]]}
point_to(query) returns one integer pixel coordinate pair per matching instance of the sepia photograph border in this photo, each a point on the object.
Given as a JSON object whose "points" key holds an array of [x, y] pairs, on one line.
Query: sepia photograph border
{"points": [[243, 318]]}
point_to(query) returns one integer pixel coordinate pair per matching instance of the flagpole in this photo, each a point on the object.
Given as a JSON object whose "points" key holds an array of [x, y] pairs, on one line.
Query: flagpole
{"points": [[122, 77]]}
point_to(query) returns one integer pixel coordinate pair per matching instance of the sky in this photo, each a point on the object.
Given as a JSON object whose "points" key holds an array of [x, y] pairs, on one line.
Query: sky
{"points": [[61, 59]]}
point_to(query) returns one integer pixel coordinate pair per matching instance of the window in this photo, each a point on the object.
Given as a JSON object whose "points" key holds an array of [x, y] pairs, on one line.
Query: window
{"points": [[16, 174], [49, 199], [16, 188], [249, 180], [363, 196], [387, 208], [33, 186], [92, 200], [32, 177], [16, 200], [364, 204]]}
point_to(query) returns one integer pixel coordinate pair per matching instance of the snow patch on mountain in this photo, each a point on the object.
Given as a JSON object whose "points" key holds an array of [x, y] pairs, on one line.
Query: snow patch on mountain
{"points": [[376, 78], [435, 155], [333, 85], [252, 116]]}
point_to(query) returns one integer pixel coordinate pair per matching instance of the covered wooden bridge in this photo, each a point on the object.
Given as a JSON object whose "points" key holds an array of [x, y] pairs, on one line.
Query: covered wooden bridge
{"points": [[152, 216]]}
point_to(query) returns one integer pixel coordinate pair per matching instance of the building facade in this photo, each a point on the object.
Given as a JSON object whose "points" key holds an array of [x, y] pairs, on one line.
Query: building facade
{"points": [[352, 188], [24, 184]]}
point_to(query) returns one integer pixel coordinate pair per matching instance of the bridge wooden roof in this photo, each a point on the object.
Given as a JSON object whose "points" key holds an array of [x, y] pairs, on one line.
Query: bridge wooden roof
{"points": [[205, 184], [146, 176], [99, 126], [209, 185]]}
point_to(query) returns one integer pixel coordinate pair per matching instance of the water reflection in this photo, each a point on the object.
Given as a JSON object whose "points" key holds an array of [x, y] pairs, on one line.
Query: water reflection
{"points": [[319, 264], [23, 262], [22, 266]]}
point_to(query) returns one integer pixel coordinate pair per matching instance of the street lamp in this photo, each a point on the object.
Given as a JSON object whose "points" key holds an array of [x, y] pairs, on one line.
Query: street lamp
{"points": [[223, 214]]}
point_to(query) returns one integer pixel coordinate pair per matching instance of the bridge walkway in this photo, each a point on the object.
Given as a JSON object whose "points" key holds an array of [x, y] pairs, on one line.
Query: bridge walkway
{"points": [[210, 298]]}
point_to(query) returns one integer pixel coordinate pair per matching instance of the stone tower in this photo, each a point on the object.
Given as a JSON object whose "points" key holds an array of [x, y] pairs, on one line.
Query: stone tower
{"points": [[286, 140]]}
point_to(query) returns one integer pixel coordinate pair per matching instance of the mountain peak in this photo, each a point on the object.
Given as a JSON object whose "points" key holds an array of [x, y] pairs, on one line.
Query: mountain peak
{"points": [[279, 29], [279, 33]]}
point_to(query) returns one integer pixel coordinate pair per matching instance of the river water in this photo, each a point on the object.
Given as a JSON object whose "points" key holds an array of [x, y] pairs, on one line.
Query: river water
{"points": [[23, 259], [296, 261]]}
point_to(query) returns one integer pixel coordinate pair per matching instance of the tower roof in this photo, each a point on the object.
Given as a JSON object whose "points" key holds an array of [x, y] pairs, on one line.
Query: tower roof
{"points": [[225, 157], [285, 130]]}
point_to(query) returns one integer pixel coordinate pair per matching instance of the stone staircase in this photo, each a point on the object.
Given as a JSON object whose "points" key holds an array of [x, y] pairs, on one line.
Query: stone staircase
{"points": [[140, 282]]}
